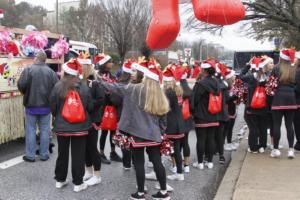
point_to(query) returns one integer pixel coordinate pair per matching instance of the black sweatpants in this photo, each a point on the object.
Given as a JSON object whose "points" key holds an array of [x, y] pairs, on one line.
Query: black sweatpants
{"points": [[219, 138], [184, 145], [127, 157], [297, 127], [288, 119], [139, 164], [258, 126], [177, 155], [228, 130], [78, 158], [103, 136], [205, 137], [92, 156]]}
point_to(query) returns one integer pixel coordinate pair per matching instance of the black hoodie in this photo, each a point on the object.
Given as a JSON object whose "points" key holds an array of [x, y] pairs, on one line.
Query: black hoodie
{"points": [[201, 91]]}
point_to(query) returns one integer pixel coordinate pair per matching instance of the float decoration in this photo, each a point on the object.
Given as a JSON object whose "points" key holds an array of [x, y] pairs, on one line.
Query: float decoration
{"points": [[33, 43], [4, 41], [60, 48]]}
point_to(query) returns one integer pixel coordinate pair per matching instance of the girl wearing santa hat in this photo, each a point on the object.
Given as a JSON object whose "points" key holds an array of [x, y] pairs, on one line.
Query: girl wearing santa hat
{"points": [[103, 64], [92, 156], [257, 115], [284, 100], [144, 118], [206, 121], [175, 122], [68, 132], [297, 114]]}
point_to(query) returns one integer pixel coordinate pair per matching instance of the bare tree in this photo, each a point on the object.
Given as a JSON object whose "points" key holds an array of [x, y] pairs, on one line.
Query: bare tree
{"points": [[268, 18]]}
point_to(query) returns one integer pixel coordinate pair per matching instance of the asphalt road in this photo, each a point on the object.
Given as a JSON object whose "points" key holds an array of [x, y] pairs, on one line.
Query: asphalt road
{"points": [[34, 181]]}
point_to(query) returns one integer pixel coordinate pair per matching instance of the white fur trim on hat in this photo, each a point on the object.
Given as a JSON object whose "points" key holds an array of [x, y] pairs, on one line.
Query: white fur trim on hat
{"points": [[205, 65], [84, 61], [166, 78], [126, 69], [284, 57], [253, 66], [69, 70], [297, 55], [184, 76], [228, 76], [138, 67], [151, 75], [104, 60], [267, 61]]}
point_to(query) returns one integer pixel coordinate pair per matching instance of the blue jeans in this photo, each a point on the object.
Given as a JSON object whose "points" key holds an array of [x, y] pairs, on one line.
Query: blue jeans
{"points": [[43, 122]]}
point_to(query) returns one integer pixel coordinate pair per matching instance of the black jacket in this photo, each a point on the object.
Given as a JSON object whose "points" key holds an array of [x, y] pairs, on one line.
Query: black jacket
{"points": [[57, 103], [36, 83], [98, 96], [175, 121], [224, 116], [297, 89], [201, 91], [187, 94], [231, 105]]}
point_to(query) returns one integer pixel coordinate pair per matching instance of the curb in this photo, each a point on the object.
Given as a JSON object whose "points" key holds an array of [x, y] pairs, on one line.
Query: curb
{"points": [[227, 186]]}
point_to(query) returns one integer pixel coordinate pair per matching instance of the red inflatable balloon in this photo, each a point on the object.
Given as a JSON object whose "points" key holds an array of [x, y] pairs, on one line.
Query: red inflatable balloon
{"points": [[219, 12], [165, 24]]}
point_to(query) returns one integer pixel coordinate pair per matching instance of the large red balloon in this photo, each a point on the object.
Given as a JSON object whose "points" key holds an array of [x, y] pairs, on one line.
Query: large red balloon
{"points": [[219, 12], [165, 24]]}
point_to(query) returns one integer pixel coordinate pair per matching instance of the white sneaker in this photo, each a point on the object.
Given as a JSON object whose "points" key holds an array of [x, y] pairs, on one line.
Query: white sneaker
{"points": [[60, 184], [198, 165], [169, 188], [127, 168], [209, 165], [291, 154], [173, 169], [187, 169], [254, 152], [78, 188], [87, 175], [145, 188], [176, 177], [227, 147], [93, 181], [261, 150], [275, 153], [151, 176]]}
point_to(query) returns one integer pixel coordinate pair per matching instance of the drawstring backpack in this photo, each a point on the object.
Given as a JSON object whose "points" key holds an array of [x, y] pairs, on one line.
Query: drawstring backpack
{"points": [[215, 103], [259, 98], [73, 111]]}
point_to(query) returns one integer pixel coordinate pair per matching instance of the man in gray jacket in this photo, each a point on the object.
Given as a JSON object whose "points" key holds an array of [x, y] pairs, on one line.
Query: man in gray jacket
{"points": [[36, 83]]}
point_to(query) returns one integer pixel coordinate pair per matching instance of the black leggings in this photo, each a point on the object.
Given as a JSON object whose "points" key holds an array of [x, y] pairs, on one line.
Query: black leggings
{"points": [[103, 139], [78, 157], [258, 126], [288, 119], [127, 157], [228, 129], [184, 144], [205, 137], [92, 156], [139, 164], [177, 156], [219, 138], [297, 125]]}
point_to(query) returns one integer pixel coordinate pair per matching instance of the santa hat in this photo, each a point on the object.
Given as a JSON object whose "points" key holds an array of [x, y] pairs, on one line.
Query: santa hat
{"points": [[141, 65], [256, 63], [172, 73], [101, 59], [208, 64], [297, 55], [73, 67], [229, 73], [288, 55], [1, 13], [127, 66], [221, 69], [266, 60], [197, 63], [153, 72], [84, 58]]}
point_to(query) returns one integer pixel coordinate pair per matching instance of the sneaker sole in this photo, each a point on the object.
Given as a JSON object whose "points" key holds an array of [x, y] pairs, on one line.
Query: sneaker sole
{"points": [[61, 186], [167, 198], [131, 198]]}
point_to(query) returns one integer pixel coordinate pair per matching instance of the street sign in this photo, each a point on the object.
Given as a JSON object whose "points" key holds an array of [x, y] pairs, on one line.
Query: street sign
{"points": [[187, 52]]}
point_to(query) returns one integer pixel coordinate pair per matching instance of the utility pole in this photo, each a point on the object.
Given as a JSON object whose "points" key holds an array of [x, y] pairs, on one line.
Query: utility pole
{"points": [[56, 16]]}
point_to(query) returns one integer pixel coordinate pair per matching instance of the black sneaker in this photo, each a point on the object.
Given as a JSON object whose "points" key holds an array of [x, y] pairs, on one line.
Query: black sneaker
{"points": [[104, 160], [51, 145], [136, 196], [297, 146], [25, 158], [222, 160], [160, 196], [115, 157]]}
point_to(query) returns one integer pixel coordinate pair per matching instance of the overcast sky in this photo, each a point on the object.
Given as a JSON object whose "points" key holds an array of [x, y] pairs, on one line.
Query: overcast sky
{"points": [[230, 39]]}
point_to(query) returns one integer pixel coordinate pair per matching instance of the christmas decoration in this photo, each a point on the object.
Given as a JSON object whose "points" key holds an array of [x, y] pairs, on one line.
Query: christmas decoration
{"points": [[271, 85], [60, 48]]}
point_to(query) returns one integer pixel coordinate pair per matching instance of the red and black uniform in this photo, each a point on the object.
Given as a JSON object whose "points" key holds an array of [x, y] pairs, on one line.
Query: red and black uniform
{"points": [[297, 114], [228, 129]]}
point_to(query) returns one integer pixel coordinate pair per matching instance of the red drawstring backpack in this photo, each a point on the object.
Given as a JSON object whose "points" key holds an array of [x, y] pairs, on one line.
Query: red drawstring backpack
{"points": [[259, 99], [186, 109], [215, 103], [109, 119], [73, 110]]}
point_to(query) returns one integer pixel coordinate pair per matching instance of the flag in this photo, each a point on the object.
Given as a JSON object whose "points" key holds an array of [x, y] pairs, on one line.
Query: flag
{"points": [[1, 13]]}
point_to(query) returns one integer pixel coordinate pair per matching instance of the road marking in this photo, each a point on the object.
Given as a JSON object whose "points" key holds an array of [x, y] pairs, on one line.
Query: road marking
{"points": [[11, 162]]}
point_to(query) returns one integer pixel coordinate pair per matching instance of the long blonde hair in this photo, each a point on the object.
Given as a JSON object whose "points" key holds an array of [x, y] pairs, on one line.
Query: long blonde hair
{"points": [[172, 85], [287, 72], [87, 70], [156, 102]]}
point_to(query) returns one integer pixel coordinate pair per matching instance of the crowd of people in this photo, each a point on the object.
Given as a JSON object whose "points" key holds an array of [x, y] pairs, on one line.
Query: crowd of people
{"points": [[154, 109]]}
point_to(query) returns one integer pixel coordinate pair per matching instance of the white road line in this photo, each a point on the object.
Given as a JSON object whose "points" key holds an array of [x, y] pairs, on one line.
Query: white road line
{"points": [[11, 162]]}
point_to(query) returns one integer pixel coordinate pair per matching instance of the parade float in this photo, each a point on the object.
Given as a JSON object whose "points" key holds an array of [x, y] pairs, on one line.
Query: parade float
{"points": [[17, 49]]}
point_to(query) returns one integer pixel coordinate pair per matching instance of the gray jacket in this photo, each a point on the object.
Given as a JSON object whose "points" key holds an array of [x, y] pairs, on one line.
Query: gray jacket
{"points": [[134, 120], [36, 83]]}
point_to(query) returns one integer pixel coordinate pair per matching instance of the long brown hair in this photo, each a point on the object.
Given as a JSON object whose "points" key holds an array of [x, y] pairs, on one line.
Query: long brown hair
{"points": [[172, 85], [67, 83], [287, 72], [139, 77]]}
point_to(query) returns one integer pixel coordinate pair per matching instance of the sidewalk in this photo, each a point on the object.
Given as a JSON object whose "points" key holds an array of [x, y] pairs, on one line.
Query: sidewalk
{"points": [[260, 177]]}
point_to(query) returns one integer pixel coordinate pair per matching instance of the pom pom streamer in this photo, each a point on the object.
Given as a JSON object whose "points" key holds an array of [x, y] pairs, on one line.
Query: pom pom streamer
{"points": [[33, 43], [4, 40], [60, 48], [166, 147]]}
